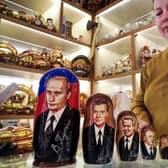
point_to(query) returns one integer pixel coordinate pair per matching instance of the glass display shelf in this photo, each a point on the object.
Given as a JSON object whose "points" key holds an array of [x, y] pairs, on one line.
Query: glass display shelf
{"points": [[26, 161]]}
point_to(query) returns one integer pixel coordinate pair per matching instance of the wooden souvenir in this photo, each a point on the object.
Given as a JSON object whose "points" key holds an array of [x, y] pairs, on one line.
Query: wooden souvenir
{"points": [[33, 59], [68, 28], [81, 66], [83, 99], [19, 101], [164, 146], [98, 130], [127, 137], [50, 24], [57, 119], [8, 52], [148, 143]]}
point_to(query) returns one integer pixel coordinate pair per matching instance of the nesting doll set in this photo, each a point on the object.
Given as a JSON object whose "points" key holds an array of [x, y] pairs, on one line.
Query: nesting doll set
{"points": [[57, 121]]}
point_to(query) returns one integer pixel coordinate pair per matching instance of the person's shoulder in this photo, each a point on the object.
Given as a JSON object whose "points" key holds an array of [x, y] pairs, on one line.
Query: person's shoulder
{"points": [[158, 59]]}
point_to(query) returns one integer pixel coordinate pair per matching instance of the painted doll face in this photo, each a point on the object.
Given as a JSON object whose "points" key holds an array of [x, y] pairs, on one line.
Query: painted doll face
{"points": [[163, 142], [149, 137], [128, 127], [57, 93], [99, 115]]}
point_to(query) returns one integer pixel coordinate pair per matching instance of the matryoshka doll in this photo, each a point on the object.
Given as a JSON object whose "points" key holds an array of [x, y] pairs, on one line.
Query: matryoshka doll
{"points": [[57, 119], [148, 143], [98, 130], [127, 137], [164, 146]]}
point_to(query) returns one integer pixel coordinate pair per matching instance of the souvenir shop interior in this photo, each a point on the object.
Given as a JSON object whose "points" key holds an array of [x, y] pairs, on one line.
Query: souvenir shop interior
{"points": [[104, 43]]}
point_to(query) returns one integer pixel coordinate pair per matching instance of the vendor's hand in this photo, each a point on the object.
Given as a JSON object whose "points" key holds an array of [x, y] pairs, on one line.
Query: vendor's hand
{"points": [[142, 123]]}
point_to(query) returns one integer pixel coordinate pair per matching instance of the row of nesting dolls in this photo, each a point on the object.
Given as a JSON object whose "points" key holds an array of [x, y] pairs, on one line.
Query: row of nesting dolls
{"points": [[99, 132], [57, 125]]}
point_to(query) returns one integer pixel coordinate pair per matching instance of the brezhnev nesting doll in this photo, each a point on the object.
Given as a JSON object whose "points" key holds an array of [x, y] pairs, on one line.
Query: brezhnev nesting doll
{"points": [[127, 137], [57, 119], [148, 143], [98, 130], [164, 146]]}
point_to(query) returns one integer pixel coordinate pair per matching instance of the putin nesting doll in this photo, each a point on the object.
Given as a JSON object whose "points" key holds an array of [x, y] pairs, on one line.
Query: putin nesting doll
{"points": [[57, 119]]}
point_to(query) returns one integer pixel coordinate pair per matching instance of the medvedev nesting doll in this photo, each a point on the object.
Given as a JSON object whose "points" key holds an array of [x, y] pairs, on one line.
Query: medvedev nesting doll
{"points": [[98, 130], [127, 137], [148, 143], [164, 146], [57, 119]]}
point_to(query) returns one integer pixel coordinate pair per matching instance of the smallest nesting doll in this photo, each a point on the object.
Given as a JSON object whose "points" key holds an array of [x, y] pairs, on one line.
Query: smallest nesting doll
{"points": [[127, 137], [164, 146], [98, 130], [148, 143]]}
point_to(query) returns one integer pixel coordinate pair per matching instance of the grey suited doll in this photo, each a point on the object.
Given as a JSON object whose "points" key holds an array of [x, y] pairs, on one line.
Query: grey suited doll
{"points": [[127, 136], [148, 143]]}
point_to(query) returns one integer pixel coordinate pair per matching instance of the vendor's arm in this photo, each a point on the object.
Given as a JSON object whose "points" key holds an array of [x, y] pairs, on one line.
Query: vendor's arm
{"points": [[139, 107]]}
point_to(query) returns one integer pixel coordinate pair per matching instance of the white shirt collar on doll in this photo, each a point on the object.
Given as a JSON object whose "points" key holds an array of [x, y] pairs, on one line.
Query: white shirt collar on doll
{"points": [[97, 133], [130, 139], [148, 147], [57, 115]]}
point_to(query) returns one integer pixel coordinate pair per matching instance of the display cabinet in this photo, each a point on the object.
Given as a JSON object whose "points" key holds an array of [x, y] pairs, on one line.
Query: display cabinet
{"points": [[20, 34], [113, 72], [126, 28], [26, 36], [122, 18]]}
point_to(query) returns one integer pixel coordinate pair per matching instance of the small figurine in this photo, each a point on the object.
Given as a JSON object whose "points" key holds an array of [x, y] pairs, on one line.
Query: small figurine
{"points": [[81, 66], [8, 53], [29, 18], [145, 55], [56, 58], [50, 25], [68, 28], [39, 20], [22, 15], [83, 99]]}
